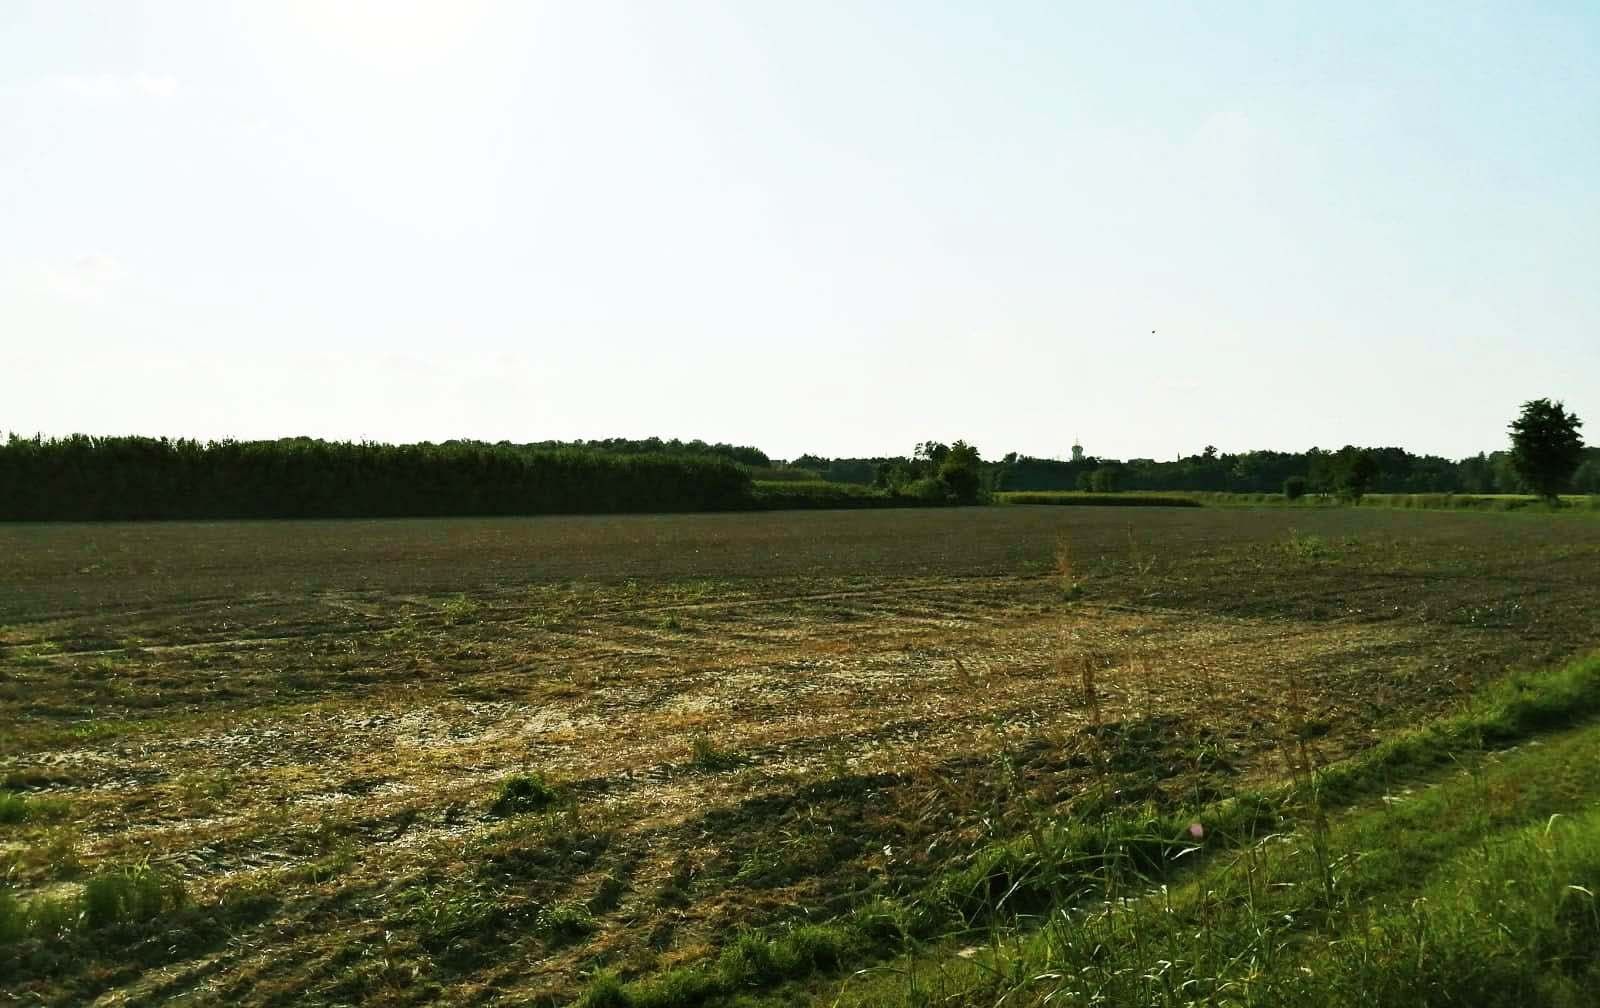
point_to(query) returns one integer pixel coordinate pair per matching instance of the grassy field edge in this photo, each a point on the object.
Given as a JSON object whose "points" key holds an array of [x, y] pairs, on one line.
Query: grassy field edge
{"points": [[998, 895]]}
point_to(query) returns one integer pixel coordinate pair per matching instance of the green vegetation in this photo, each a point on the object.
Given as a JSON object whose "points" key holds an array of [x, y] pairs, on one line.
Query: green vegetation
{"points": [[804, 494], [1098, 499], [523, 793], [131, 896], [1481, 881], [460, 609], [1430, 502], [22, 808], [1354, 471], [1386, 883], [1546, 448], [744, 455], [83, 478]]}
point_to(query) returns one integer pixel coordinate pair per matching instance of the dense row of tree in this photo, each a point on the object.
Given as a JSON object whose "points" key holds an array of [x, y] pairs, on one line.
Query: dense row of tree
{"points": [[79, 477], [742, 454], [1349, 471], [85, 478]]}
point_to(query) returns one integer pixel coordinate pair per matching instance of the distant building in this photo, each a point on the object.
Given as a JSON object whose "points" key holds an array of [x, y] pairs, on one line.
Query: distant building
{"points": [[1077, 451]]}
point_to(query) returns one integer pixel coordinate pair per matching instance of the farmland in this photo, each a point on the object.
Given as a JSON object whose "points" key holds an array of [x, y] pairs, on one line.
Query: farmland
{"points": [[476, 760]]}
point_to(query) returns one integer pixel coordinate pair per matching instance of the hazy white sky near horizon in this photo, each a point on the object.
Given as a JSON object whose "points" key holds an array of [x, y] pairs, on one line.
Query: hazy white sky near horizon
{"points": [[834, 228]]}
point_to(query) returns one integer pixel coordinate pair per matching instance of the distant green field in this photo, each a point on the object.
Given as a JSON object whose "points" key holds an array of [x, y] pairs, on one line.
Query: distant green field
{"points": [[1195, 498], [1076, 497]]}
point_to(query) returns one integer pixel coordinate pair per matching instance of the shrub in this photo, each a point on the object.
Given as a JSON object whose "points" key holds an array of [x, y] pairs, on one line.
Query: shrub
{"points": [[776, 496], [927, 490], [1294, 487]]}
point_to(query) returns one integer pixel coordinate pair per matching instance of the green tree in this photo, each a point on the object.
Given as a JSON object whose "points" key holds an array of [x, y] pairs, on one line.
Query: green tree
{"points": [[1294, 487], [931, 452], [959, 471], [1106, 479], [1354, 469], [1546, 446], [1587, 478]]}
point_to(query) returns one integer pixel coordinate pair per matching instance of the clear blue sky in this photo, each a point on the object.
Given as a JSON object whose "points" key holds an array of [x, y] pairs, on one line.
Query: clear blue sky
{"points": [[836, 228]]}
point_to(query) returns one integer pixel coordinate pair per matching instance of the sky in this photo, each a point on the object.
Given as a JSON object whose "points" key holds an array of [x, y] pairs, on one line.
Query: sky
{"points": [[813, 227]]}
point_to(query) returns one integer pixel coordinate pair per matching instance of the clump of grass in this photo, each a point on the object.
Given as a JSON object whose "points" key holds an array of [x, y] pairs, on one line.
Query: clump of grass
{"points": [[19, 808], [560, 923], [753, 959], [40, 918], [773, 861], [460, 609], [707, 755], [604, 991], [443, 913], [1306, 547], [669, 622], [337, 857], [522, 793], [130, 896], [114, 897]]}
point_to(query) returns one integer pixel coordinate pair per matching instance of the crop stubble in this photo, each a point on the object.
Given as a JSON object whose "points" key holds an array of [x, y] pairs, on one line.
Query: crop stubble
{"points": [[241, 703]]}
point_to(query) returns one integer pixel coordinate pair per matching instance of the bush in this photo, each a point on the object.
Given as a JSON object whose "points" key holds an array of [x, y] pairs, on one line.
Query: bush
{"points": [[808, 494], [1294, 487], [927, 490]]}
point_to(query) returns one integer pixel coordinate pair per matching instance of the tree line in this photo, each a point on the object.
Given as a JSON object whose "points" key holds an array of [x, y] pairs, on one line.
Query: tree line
{"points": [[128, 478], [82, 478], [742, 454], [1350, 471]]}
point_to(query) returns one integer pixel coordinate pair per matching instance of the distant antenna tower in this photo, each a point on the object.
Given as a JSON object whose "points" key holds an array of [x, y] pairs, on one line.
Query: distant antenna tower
{"points": [[1077, 449]]}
